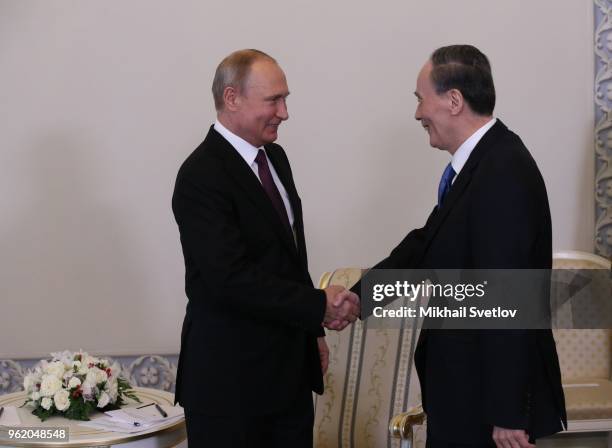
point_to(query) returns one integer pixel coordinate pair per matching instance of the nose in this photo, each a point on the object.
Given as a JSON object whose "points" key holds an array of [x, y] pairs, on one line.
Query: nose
{"points": [[417, 113], [281, 110]]}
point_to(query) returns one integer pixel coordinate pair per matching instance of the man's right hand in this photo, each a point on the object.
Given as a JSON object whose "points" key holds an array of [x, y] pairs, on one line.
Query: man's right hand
{"points": [[511, 438], [342, 307]]}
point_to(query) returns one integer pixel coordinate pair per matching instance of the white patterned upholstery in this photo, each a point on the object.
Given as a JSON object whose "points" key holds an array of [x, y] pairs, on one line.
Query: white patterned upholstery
{"points": [[584, 353], [366, 384], [586, 358]]}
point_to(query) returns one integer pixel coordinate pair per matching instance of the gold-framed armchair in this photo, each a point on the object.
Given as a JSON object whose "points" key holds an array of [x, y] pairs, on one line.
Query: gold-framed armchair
{"points": [[372, 395], [371, 380], [585, 356]]}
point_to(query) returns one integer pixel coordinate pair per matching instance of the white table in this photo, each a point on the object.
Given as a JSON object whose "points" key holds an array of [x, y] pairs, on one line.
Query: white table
{"points": [[166, 436]]}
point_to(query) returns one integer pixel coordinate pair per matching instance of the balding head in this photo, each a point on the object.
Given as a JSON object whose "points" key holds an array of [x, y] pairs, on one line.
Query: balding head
{"points": [[250, 96], [233, 71]]}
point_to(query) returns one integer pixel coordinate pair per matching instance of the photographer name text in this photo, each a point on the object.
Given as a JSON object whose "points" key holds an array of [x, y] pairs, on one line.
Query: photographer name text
{"points": [[442, 312]]}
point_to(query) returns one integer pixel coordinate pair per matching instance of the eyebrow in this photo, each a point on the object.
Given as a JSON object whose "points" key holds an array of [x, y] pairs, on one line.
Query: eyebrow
{"points": [[417, 94], [278, 96]]}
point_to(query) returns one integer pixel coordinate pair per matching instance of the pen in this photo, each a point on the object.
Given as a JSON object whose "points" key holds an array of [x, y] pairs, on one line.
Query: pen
{"points": [[146, 405], [1, 411], [161, 411]]}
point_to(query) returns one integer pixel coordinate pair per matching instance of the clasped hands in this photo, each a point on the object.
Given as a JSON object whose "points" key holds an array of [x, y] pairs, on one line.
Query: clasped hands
{"points": [[341, 309]]}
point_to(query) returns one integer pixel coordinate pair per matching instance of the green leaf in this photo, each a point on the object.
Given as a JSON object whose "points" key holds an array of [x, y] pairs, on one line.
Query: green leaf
{"points": [[79, 409], [42, 413]]}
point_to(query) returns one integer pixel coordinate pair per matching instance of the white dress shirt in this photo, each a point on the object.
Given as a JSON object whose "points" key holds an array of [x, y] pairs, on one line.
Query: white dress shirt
{"points": [[466, 148], [248, 152]]}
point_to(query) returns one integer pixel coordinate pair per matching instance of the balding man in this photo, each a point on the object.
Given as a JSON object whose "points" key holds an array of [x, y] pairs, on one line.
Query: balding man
{"points": [[252, 346]]}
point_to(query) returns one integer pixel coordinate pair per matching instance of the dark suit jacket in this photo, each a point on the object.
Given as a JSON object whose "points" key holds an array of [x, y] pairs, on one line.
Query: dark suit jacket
{"points": [[248, 343], [496, 215]]}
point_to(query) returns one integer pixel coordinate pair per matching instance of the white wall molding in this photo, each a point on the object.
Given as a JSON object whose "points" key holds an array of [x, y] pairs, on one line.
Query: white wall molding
{"points": [[603, 127], [155, 371]]}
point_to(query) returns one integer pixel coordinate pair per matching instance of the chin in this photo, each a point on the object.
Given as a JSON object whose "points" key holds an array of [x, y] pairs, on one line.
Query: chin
{"points": [[271, 137], [434, 143]]}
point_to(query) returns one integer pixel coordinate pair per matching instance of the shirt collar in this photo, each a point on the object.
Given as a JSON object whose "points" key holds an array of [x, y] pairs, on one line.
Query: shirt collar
{"points": [[244, 148], [464, 151]]}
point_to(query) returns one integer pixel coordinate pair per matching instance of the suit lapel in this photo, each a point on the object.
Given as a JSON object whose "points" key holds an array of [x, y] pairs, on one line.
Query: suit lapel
{"points": [[243, 175], [485, 144]]}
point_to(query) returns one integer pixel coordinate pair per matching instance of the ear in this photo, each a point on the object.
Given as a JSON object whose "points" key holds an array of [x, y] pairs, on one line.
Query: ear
{"points": [[231, 99], [455, 101]]}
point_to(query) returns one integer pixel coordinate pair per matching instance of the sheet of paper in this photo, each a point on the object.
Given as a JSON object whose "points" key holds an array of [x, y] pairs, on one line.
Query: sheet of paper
{"points": [[10, 417], [110, 424], [147, 414], [113, 424], [131, 420]]}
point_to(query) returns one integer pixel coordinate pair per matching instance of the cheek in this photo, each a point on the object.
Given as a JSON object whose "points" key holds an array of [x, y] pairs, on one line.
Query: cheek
{"points": [[263, 119], [267, 119]]}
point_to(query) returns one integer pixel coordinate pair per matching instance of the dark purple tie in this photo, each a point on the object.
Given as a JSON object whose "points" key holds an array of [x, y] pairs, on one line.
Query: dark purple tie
{"points": [[268, 184]]}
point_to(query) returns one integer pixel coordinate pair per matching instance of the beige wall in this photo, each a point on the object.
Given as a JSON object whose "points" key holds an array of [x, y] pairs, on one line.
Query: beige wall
{"points": [[102, 100]]}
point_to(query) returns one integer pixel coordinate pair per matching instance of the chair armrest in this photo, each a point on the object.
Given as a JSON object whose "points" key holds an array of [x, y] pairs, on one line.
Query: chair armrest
{"points": [[400, 426]]}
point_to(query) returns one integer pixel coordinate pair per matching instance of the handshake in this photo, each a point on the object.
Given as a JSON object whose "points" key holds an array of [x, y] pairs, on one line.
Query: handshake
{"points": [[341, 309]]}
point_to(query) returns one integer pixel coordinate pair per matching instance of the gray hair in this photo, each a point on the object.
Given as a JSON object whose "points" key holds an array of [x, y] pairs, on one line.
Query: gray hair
{"points": [[233, 71]]}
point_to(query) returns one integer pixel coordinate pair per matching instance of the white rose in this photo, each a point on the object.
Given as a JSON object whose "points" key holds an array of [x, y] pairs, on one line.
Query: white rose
{"points": [[102, 375], [65, 357], [85, 361], [46, 403], [76, 364], [103, 400], [90, 360], [92, 377], [74, 382], [29, 382], [112, 388], [115, 370], [56, 368], [89, 391], [35, 396], [61, 400], [96, 376], [49, 385]]}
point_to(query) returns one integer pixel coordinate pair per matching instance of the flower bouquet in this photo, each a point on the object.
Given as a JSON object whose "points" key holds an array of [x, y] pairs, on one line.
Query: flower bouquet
{"points": [[73, 385]]}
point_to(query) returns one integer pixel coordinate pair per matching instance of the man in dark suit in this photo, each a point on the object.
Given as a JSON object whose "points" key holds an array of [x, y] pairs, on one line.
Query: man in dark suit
{"points": [[495, 386], [252, 345]]}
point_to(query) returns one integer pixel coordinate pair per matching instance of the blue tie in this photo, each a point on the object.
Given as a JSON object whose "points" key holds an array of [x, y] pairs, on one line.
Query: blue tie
{"points": [[445, 183]]}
